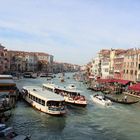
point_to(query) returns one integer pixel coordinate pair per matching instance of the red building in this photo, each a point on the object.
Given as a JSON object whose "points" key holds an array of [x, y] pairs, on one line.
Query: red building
{"points": [[4, 60]]}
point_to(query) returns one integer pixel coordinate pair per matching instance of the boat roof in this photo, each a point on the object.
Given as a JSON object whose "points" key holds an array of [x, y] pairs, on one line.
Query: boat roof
{"points": [[7, 81], [43, 94], [53, 86], [49, 85], [68, 90], [6, 76]]}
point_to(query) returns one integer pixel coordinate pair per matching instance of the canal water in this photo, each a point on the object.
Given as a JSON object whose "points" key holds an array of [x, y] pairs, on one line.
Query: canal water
{"points": [[94, 122]]}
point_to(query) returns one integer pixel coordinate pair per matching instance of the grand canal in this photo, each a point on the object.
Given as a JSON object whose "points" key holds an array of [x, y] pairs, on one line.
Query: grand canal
{"points": [[119, 122]]}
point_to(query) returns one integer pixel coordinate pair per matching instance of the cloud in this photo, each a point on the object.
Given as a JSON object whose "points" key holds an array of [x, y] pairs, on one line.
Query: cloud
{"points": [[73, 31]]}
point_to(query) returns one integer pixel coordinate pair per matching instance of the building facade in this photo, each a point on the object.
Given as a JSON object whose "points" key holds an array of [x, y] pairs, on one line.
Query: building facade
{"points": [[118, 64], [131, 65], [104, 56], [4, 60], [30, 61]]}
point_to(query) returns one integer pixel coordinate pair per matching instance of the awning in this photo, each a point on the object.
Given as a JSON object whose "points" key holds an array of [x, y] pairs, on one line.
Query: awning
{"points": [[105, 80], [135, 87], [120, 81]]}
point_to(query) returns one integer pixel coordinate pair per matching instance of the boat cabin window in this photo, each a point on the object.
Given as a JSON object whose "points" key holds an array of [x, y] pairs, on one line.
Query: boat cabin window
{"points": [[55, 104], [37, 100], [8, 87]]}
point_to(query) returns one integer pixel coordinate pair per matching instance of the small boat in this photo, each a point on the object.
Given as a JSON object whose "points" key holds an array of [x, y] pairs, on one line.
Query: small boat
{"points": [[3, 109], [7, 133], [121, 101], [2, 126], [101, 100]]}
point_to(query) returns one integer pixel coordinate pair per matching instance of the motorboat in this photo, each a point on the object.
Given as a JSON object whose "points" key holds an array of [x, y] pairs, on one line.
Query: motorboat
{"points": [[101, 100], [7, 133]]}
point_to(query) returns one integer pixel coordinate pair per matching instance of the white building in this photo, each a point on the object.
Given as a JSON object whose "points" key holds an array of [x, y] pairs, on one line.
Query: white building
{"points": [[95, 69], [105, 67]]}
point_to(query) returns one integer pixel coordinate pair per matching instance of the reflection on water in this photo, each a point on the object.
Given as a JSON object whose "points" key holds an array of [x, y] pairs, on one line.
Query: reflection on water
{"points": [[119, 122]]}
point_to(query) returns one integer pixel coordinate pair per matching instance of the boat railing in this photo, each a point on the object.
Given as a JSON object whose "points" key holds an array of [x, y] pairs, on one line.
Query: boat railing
{"points": [[80, 98]]}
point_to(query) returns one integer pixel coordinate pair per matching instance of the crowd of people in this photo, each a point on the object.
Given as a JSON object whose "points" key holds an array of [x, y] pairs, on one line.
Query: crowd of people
{"points": [[73, 96]]}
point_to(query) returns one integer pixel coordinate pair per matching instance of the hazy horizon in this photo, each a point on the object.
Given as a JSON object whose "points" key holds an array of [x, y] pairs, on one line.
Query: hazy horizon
{"points": [[73, 31]]}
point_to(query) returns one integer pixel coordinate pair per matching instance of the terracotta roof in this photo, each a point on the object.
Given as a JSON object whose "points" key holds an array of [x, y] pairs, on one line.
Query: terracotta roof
{"points": [[132, 51], [29, 53], [41, 54]]}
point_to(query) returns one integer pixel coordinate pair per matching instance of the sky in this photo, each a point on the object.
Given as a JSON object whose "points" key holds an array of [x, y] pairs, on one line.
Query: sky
{"points": [[71, 30]]}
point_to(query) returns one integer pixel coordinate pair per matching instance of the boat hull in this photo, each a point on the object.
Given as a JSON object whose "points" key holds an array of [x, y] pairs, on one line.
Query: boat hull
{"points": [[121, 102], [54, 113], [76, 103], [104, 103]]}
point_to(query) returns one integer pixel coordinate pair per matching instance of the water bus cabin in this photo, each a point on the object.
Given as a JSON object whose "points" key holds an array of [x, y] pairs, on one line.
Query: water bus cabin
{"points": [[6, 77], [8, 96], [7, 85], [43, 100], [70, 94], [7, 88]]}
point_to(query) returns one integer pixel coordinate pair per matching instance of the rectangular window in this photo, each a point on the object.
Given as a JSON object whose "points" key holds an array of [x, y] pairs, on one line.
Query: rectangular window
{"points": [[136, 64], [39, 101], [36, 99], [124, 71], [127, 71], [33, 98], [135, 72], [43, 102]]}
